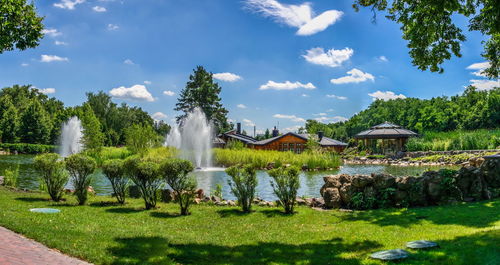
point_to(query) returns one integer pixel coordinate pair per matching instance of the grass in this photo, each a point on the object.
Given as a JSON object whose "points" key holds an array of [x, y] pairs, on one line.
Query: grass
{"points": [[103, 233], [262, 158], [456, 140], [450, 159], [153, 154]]}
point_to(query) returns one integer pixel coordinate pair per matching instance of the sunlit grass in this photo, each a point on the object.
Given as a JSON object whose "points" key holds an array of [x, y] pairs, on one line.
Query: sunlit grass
{"points": [[456, 140]]}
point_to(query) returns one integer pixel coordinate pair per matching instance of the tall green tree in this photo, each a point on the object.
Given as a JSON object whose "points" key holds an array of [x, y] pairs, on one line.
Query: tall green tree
{"points": [[35, 124], [9, 122], [93, 137], [432, 31], [20, 26], [201, 91]]}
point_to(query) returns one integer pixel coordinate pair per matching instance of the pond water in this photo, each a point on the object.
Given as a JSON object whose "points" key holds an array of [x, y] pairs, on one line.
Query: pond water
{"points": [[311, 182]]}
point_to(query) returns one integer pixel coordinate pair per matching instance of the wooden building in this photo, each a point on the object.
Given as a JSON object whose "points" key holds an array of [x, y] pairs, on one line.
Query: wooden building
{"points": [[385, 138], [234, 135], [297, 142]]}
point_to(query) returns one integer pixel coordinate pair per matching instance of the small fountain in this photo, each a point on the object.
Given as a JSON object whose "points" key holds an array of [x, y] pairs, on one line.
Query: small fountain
{"points": [[71, 137], [193, 138]]}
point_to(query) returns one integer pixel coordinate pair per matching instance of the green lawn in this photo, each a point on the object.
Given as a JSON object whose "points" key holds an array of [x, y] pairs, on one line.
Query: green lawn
{"points": [[106, 234]]}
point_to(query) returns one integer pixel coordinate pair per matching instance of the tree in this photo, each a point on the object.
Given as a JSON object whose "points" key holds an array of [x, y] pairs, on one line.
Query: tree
{"points": [[20, 26], [35, 124], [146, 175], [9, 123], [140, 137], [80, 167], [175, 172], [243, 183], [201, 91], [432, 35], [267, 134], [115, 172], [285, 185], [52, 171], [93, 138]]}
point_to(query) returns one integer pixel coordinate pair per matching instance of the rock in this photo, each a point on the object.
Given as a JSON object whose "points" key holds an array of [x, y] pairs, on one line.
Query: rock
{"points": [[405, 183], [69, 191], [200, 194], [231, 203], [270, 204], [206, 199], [393, 254], [476, 161], [309, 201], [421, 244], [221, 203], [318, 202], [167, 195], [332, 198], [300, 201], [197, 200], [383, 181], [216, 199], [90, 189], [1, 180], [332, 181], [360, 181], [346, 193]]}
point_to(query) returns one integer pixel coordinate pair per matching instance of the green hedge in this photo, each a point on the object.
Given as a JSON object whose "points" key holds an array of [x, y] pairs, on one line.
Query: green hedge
{"points": [[28, 148]]}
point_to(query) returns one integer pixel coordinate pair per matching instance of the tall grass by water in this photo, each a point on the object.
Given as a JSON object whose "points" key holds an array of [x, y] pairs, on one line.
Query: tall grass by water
{"points": [[262, 158], [456, 140]]}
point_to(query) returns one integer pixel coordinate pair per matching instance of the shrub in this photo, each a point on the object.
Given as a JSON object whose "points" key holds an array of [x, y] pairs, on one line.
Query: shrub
{"points": [[113, 169], [80, 167], [146, 176], [243, 184], [218, 191], [10, 177], [52, 170], [175, 171], [140, 137], [285, 185], [28, 148], [235, 145]]}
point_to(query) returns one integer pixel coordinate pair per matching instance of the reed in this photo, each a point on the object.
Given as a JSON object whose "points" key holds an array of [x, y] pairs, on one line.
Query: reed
{"points": [[481, 139], [261, 159]]}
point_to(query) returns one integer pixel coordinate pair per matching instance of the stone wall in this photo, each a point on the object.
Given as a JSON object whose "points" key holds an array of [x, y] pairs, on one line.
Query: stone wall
{"points": [[430, 153], [432, 188]]}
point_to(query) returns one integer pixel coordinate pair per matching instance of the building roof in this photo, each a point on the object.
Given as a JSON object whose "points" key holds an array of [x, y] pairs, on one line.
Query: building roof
{"points": [[237, 136], [218, 140], [386, 130], [325, 141]]}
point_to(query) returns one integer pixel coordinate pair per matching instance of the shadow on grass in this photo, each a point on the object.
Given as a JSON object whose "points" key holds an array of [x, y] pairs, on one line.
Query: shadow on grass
{"points": [[105, 204], [124, 210], [275, 212], [30, 199], [157, 250], [165, 215], [478, 214], [231, 212]]}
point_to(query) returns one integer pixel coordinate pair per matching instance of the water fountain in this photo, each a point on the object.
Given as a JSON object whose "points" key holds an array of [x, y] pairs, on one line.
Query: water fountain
{"points": [[71, 137], [193, 138]]}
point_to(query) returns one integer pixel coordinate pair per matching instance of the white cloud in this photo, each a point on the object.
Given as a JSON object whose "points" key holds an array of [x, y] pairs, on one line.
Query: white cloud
{"points": [[298, 16], [387, 95], [46, 91], [291, 129], [136, 92], [68, 4], [331, 119], [25, 64], [320, 114], [383, 58], [480, 68], [248, 122], [52, 58], [329, 110], [51, 32], [305, 95], [241, 106], [168, 93], [147, 82], [129, 62], [485, 84], [113, 27], [59, 43], [335, 96], [289, 117], [99, 9], [331, 58], [228, 77], [286, 85], [159, 116], [354, 76]]}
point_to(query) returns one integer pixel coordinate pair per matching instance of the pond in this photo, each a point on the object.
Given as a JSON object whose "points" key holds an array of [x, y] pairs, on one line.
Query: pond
{"points": [[311, 182]]}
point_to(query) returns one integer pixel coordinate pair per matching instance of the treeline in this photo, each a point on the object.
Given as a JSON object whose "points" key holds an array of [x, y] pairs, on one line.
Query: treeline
{"points": [[28, 116], [473, 109]]}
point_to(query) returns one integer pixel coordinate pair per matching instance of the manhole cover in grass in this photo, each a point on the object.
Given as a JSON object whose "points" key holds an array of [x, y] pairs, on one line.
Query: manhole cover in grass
{"points": [[421, 244], [393, 254], [44, 210]]}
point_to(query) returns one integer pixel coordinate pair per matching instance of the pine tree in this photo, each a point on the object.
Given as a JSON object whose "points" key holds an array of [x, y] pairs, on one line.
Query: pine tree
{"points": [[201, 91], [35, 124]]}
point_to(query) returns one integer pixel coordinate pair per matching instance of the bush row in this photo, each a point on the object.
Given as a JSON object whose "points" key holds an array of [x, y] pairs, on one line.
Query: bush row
{"points": [[456, 140], [27, 148]]}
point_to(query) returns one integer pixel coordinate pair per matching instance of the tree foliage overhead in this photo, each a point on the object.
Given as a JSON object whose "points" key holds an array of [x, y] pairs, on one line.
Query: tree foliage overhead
{"points": [[20, 26], [201, 91], [432, 35], [473, 109]]}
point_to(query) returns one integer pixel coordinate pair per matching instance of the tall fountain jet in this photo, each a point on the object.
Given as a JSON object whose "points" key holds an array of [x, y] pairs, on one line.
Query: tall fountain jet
{"points": [[193, 138], [71, 137]]}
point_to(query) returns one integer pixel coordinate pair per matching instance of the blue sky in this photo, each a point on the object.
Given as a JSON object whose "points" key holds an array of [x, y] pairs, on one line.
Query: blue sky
{"points": [[277, 61]]}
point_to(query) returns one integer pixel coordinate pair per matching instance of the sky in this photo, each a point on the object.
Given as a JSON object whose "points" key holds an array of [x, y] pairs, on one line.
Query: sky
{"points": [[279, 63]]}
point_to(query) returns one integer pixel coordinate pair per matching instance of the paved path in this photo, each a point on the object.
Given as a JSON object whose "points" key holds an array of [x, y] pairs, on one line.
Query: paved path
{"points": [[18, 250]]}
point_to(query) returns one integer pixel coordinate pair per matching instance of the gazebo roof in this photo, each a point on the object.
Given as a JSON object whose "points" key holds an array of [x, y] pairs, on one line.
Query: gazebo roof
{"points": [[386, 130]]}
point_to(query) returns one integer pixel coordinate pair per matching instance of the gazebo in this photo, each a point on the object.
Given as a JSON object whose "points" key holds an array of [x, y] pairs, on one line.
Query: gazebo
{"points": [[386, 137]]}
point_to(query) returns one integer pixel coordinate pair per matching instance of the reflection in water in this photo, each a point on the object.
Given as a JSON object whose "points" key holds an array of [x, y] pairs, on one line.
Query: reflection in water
{"points": [[208, 179]]}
